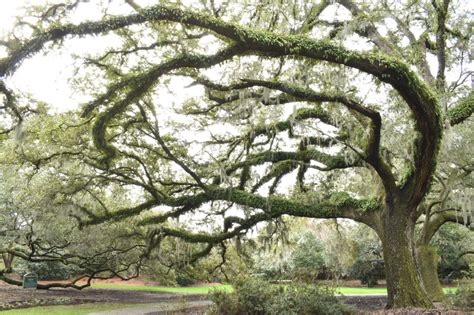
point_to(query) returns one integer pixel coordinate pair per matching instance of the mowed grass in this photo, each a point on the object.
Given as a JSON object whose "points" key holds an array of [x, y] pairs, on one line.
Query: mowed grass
{"points": [[69, 309], [228, 288], [184, 290], [376, 291]]}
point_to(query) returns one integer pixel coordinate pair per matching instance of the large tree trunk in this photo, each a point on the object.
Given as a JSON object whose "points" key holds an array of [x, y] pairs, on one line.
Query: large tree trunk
{"points": [[404, 283], [428, 264], [8, 262]]}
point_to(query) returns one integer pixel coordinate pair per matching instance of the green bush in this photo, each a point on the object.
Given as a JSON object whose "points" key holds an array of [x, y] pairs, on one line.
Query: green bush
{"points": [[307, 259], [463, 298], [259, 297], [184, 279], [369, 265], [52, 270]]}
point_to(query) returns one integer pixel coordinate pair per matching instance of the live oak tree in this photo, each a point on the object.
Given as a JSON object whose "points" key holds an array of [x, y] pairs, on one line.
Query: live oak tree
{"points": [[37, 227], [292, 108]]}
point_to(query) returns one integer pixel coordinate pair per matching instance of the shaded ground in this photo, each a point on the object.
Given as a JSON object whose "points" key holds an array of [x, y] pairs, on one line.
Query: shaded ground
{"points": [[15, 297]]}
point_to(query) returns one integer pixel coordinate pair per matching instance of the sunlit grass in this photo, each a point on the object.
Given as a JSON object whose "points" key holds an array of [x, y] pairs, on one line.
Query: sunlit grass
{"points": [[186, 290], [228, 288]]}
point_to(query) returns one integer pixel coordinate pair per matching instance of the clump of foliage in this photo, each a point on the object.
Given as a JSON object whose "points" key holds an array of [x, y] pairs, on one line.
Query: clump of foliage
{"points": [[453, 242], [255, 296], [307, 258], [463, 298], [368, 267], [53, 270]]}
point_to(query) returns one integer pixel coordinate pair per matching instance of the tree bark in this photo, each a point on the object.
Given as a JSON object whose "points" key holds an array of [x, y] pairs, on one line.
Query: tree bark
{"points": [[428, 264], [8, 262], [404, 282]]}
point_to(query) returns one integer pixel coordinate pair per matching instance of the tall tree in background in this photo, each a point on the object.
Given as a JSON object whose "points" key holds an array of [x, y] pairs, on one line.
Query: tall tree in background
{"points": [[327, 110], [450, 200]]}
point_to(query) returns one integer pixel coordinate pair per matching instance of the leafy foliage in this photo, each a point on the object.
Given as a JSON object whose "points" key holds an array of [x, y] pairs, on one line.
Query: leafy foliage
{"points": [[253, 296], [454, 243], [463, 298]]}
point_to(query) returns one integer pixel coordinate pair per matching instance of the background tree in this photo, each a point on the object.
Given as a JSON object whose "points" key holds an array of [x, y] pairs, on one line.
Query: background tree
{"points": [[40, 234], [272, 135], [449, 201]]}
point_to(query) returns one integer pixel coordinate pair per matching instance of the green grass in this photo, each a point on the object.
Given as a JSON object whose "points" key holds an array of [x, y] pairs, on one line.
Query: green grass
{"points": [[69, 309], [228, 288], [348, 291], [185, 290]]}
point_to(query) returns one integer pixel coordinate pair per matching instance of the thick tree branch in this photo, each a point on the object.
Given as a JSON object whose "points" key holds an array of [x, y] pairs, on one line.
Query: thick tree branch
{"points": [[462, 110]]}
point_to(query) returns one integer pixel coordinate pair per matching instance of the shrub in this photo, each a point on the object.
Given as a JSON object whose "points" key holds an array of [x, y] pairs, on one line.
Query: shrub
{"points": [[367, 271], [259, 297], [52, 270], [463, 298], [184, 279]]}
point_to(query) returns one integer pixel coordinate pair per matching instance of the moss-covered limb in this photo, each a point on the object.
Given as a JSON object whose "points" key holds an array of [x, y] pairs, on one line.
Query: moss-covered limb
{"points": [[286, 125], [306, 94], [313, 17], [437, 219], [43, 286], [9, 64], [142, 83], [10, 103], [419, 97], [417, 94], [222, 100], [368, 31], [373, 142], [339, 205], [441, 10], [117, 215], [277, 170], [330, 161], [418, 44], [462, 110]]}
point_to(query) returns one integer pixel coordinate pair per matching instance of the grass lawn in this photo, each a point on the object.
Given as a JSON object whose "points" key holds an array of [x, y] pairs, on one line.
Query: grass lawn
{"points": [[349, 291], [187, 290], [69, 309], [228, 288]]}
